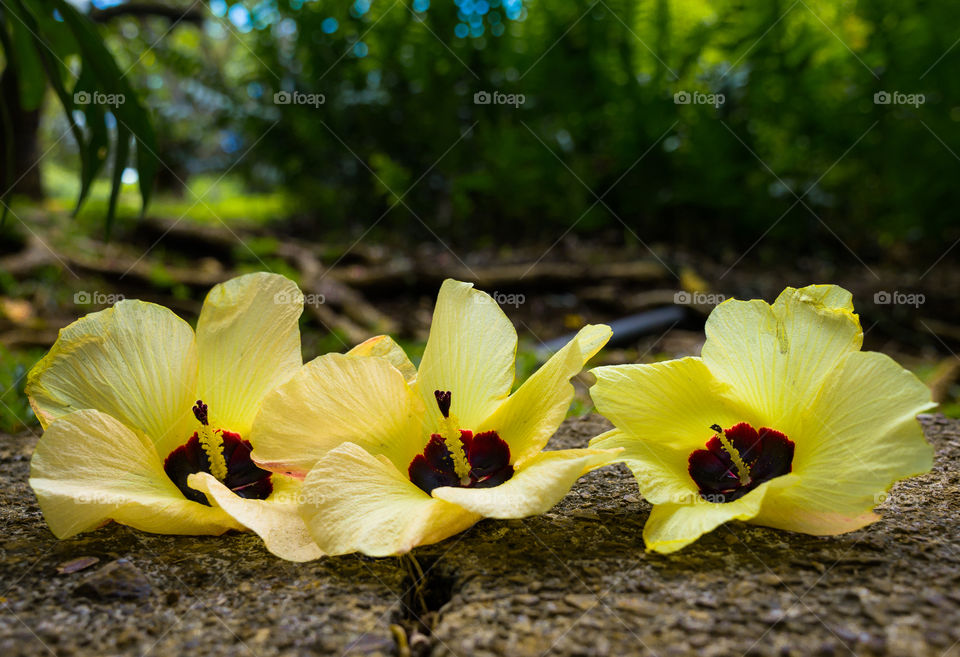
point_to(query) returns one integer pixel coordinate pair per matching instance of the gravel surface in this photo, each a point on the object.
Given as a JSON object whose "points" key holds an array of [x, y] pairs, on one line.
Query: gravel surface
{"points": [[575, 581]]}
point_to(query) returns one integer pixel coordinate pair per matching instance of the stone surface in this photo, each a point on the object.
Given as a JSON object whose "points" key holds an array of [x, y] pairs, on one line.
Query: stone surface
{"points": [[575, 581]]}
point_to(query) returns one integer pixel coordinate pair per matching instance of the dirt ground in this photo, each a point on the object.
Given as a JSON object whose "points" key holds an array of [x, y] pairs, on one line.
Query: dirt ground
{"points": [[575, 581]]}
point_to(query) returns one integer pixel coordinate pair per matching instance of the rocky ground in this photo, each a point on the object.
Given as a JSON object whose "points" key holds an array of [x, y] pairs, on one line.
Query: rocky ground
{"points": [[572, 582]]}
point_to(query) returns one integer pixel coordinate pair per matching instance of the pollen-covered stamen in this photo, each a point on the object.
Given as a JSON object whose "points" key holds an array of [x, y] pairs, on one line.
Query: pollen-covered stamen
{"points": [[738, 460], [451, 433], [743, 470], [210, 441], [224, 454]]}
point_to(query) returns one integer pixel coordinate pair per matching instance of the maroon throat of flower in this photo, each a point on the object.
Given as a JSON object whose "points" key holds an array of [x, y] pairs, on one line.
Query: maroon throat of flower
{"points": [[222, 453], [738, 460], [458, 457]]}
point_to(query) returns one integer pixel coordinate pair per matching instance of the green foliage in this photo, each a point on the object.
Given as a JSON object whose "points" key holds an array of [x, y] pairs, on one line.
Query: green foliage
{"points": [[38, 38], [599, 81], [400, 142], [15, 411]]}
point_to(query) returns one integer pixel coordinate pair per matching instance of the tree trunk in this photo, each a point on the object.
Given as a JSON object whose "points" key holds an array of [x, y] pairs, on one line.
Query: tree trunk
{"points": [[24, 178]]}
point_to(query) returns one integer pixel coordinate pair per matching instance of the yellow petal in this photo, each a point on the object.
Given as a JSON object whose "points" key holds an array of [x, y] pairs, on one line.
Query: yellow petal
{"points": [[249, 343], [671, 527], [471, 352], [660, 469], [776, 357], [535, 488], [532, 414], [136, 362], [383, 346], [673, 403], [334, 399], [785, 508], [276, 519], [88, 469], [859, 436], [357, 502]]}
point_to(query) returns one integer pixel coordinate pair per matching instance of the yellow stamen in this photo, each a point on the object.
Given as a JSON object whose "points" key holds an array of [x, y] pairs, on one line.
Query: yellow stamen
{"points": [[450, 430], [212, 445], [743, 471]]}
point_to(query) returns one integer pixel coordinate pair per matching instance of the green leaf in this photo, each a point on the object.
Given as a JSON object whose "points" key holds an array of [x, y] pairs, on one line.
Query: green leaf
{"points": [[132, 117], [97, 143], [30, 77], [120, 155]]}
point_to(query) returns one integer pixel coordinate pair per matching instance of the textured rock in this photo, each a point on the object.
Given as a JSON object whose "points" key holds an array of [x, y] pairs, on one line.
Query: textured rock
{"points": [[575, 581]]}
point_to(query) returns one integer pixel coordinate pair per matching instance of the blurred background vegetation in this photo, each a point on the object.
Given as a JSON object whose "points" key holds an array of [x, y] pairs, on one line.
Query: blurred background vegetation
{"points": [[801, 173]]}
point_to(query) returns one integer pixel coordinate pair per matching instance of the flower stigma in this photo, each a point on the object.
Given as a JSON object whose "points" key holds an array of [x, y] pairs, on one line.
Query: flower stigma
{"points": [[458, 457], [743, 470], [211, 442], [737, 460], [450, 431], [221, 453]]}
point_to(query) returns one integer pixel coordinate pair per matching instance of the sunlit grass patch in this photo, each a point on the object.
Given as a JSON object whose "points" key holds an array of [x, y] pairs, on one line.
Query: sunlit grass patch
{"points": [[15, 411]]}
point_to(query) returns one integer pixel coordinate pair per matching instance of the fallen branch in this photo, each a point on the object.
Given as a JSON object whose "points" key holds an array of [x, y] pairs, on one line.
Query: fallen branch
{"points": [[322, 287]]}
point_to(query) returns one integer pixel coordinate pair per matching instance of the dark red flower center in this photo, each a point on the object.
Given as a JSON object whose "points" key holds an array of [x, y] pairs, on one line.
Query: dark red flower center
{"points": [[243, 476], [738, 460], [487, 456]]}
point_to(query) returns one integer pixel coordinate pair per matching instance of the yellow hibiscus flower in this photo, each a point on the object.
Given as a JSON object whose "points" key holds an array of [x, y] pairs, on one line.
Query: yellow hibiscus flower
{"points": [[782, 422], [394, 457], [148, 423]]}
